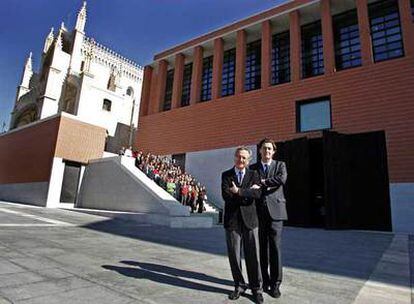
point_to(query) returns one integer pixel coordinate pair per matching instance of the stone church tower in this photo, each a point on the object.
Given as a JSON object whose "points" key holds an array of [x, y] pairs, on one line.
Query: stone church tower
{"points": [[81, 77]]}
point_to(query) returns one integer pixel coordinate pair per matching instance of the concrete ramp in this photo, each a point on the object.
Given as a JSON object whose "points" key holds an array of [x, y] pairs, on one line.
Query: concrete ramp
{"points": [[115, 184]]}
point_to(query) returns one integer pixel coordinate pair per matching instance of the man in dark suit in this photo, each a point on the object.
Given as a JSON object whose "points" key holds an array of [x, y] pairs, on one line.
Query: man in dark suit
{"points": [[271, 208], [241, 224]]}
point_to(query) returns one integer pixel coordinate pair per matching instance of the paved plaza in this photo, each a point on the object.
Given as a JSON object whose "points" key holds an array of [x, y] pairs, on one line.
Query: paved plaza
{"points": [[62, 256]]}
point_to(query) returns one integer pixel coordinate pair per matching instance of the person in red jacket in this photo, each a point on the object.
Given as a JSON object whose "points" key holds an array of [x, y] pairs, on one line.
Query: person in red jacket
{"points": [[184, 193]]}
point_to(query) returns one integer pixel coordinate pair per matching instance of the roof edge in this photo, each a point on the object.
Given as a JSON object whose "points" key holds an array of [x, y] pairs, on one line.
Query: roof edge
{"points": [[285, 7]]}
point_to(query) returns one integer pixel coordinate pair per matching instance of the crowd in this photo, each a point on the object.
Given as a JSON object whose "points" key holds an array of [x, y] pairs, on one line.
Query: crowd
{"points": [[169, 176]]}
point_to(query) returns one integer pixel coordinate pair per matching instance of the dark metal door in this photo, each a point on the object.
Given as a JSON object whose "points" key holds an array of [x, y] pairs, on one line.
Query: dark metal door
{"points": [[70, 182], [356, 181], [297, 190], [337, 181]]}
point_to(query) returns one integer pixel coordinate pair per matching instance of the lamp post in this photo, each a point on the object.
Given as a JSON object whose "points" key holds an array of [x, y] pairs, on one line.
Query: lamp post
{"points": [[131, 124]]}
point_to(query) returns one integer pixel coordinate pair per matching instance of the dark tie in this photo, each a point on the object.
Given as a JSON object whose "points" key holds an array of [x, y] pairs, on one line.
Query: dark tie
{"points": [[266, 168], [240, 177]]}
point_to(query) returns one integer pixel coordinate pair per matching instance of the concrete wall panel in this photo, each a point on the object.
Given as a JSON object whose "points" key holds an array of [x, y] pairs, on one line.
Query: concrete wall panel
{"points": [[29, 193], [115, 184], [207, 167], [402, 207]]}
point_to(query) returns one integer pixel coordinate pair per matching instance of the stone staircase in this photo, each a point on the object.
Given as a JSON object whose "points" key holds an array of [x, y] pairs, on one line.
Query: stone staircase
{"points": [[116, 187]]}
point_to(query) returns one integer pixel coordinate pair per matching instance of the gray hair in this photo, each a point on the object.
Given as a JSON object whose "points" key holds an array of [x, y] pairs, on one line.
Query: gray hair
{"points": [[243, 148]]}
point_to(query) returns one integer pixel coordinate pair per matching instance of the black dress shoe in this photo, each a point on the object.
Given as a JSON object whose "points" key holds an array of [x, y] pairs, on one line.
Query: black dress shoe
{"points": [[274, 291], [235, 294], [258, 297]]}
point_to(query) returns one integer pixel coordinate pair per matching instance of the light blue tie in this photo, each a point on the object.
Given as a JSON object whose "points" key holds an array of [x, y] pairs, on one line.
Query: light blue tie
{"points": [[240, 177]]}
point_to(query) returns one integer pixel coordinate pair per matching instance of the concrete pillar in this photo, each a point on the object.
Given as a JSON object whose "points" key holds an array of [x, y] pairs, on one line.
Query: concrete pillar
{"points": [[327, 37], [55, 183], [295, 46], [266, 53], [178, 81], [160, 87], [407, 25], [196, 75], [146, 90], [364, 32], [240, 61], [217, 68], [153, 105]]}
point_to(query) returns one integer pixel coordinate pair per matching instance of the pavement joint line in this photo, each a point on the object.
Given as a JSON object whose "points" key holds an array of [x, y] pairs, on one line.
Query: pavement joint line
{"points": [[35, 217], [100, 284], [85, 278], [46, 279], [35, 271], [367, 293], [82, 277], [49, 294], [140, 298]]}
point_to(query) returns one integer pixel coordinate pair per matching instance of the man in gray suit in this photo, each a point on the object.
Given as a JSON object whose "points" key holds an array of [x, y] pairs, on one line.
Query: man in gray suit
{"points": [[241, 224], [271, 209]]}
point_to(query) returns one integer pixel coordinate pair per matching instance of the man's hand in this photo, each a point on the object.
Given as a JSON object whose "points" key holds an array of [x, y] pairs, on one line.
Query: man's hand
{"points": [[255, 187], [234, 189]]}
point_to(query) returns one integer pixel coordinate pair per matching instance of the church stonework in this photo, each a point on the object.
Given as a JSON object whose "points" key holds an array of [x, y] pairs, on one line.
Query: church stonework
{"points": [[79, 76]]}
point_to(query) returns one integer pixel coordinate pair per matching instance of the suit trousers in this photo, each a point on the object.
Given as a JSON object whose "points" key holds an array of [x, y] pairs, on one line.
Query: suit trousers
{"points": [[249, 240], [270, 236]]}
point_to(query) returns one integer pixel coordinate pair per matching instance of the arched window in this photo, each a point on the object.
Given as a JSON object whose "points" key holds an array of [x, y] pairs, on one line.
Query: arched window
{"points": [[130, 92], [107, 104], [111, 82]]}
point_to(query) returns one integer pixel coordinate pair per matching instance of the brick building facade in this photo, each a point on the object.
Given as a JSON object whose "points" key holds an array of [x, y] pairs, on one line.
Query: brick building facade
{"points": [[35, 159], [300, 70]]}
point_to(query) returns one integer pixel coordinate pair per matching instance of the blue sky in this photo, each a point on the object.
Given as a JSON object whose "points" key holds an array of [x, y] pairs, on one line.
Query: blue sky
{"points": [[136, 29]]}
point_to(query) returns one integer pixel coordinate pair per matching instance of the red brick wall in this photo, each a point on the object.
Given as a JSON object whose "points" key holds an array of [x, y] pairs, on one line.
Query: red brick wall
{"points": [[78, 141], [26, 155], [374, 97]]}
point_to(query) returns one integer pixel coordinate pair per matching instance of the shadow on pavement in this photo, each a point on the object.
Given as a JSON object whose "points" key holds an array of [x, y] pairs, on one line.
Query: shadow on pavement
{"points": [[170, 276], [179, 272], [352, 254]]}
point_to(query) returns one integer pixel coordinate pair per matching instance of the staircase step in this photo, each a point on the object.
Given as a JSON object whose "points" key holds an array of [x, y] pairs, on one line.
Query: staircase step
{"points": [[155, 219]]}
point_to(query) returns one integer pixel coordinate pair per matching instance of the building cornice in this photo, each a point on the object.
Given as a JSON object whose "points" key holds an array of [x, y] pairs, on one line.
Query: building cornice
{"points": [[281, 9]]}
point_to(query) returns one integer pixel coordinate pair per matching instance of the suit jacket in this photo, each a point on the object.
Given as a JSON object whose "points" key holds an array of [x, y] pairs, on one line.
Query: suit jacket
{"points": [[272, 196], [240, 208]]}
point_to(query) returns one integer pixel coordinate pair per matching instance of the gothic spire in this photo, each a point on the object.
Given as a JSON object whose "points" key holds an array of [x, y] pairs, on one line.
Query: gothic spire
{"points": [[58, 42], [48, 41], [29, 63], [27, 72], [81, 20]]}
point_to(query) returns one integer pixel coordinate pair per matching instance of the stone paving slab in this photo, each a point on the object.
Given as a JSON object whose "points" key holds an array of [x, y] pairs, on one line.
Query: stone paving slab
{"points": [[395, 273], [49, 287], [93, 294], [99, 260]]}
